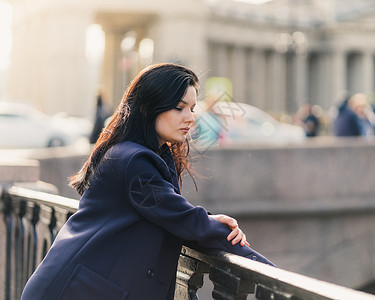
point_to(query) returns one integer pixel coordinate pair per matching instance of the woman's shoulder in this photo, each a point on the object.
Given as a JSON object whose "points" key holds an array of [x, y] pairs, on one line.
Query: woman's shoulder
{"points": [[136, 158], [128, 150], [132, 158]]}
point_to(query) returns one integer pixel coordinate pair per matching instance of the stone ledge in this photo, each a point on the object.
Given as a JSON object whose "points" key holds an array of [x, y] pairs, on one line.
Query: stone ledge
{"points": [[19, 170]]}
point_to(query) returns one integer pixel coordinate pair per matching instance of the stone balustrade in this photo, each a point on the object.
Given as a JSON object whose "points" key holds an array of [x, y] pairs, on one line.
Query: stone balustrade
{"points": [[31, 219]]}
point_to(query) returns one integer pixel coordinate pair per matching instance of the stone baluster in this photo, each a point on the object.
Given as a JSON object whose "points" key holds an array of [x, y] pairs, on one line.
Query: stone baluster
{"points": [[8, 220], [19, 246], [45, 231], [61, 216], [228, 286], [32, 219], [189, 277]]}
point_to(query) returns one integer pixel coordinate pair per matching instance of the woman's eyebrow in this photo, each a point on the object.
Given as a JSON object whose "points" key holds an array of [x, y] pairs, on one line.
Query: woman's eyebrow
{"points": [[184, 102]]}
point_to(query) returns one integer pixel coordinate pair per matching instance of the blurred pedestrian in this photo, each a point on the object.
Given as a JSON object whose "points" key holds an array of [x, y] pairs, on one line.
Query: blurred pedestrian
{"points": [[307, 119], [346, 123], [355, 117], [361, 107], [101, 115]]}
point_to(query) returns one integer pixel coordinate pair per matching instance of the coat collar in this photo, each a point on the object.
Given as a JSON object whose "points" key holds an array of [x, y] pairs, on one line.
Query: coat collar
{"points": [[166, 155]]}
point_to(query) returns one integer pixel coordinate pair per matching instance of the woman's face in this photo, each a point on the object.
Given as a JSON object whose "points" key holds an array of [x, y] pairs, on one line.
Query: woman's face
{"points": [[173, 125]]}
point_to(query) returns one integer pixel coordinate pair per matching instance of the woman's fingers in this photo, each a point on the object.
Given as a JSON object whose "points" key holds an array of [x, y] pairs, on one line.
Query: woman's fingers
{"points": [[232, 223], [235, 231], [226, 220], [243, 240], [236, 235]]}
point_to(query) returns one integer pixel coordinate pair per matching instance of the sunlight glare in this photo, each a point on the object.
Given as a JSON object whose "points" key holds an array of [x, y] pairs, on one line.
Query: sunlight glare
{"points": [[5, 34], [95, 43], [258, 2]]}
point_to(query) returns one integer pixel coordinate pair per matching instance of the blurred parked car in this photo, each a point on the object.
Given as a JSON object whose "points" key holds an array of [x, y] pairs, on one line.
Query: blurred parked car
{"points": [[238, 123], [22, 126], [75, 127]]}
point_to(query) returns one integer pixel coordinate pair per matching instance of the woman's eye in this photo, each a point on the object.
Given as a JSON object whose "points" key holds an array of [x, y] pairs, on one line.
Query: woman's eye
{"points": [[192, 110], [178, 108]]}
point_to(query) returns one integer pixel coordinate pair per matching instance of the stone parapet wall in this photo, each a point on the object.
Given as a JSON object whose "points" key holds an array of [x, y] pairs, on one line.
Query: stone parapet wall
{"points": [[326, 169], [318, 175], [18, 170]]}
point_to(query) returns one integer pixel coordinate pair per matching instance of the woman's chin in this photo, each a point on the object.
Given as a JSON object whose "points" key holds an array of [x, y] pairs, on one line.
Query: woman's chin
{"points": [[177, 140]]}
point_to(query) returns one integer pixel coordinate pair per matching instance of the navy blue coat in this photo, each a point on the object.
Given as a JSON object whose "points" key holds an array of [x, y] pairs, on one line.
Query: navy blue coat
{"points": [[125, 239]]}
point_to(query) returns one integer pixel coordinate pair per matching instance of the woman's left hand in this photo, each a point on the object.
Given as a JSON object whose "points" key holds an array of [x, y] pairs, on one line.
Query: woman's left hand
{"points": [[236, 234]]}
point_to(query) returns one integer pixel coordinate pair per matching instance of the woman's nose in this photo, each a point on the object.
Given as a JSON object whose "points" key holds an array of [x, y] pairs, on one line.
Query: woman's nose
{"points": [[190, 118]]}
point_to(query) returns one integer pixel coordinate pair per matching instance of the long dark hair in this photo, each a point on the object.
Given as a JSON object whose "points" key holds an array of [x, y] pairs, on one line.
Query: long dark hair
{"points": [[156, 89]]}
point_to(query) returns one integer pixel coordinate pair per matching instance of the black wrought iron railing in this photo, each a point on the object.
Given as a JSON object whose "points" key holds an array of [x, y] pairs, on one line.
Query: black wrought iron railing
{"points": [[31, 220]]}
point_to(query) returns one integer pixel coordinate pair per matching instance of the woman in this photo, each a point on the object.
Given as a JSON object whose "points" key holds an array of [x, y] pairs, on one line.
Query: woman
{"points": [[125, 239]]}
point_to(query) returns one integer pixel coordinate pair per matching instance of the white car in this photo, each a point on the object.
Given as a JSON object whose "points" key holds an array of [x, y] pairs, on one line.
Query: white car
{"points": [[22, 126], [74, 127], [233, 123]]}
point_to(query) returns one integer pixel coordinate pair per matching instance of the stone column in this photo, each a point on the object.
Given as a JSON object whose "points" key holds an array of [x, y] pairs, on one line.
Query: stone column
{"points": [[355, 72], [49, 66], [17, 79], [301, 80], [290, 78], [221, 60], [338, 75], [257, 78], [276, 94], [181, 39], [112, 76], [27, 72], [368, 72], [238, 73]]}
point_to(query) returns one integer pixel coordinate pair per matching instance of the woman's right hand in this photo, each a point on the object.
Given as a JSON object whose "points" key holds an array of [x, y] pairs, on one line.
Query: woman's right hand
{"points": [[236, 235]]}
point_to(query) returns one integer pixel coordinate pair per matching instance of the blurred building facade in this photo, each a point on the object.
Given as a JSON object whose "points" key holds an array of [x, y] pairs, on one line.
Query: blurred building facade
{"points": [[277, 55]]}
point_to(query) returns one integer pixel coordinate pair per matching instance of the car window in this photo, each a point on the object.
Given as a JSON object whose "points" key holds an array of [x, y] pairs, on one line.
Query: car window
{"points": [[8, 116], [14, 118], [254, 122]]}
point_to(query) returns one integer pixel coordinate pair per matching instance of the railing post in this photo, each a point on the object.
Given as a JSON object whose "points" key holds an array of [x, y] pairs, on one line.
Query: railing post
{"points": [[45, 231], [61, 216], [8, 220], [228, 286], [19, 247], [3, 247], [32, 219], [189, 277]]}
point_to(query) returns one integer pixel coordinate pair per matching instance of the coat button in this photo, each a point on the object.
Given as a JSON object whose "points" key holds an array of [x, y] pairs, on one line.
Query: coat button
{"points": [[150, 273], [254, 257]]}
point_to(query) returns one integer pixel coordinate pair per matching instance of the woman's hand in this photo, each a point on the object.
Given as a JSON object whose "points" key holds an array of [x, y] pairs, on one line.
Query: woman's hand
{"points": [[236, 234]]}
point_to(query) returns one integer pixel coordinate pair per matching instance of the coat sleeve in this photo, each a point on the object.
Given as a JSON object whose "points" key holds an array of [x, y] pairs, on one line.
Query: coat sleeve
{"points": [[156, 200]]}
